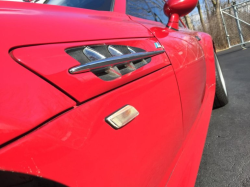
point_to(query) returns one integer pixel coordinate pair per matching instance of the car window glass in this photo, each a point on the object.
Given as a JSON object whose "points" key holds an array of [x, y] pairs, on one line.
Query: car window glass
{"points": [[88, 4], [139, 8], [157, 9], [105, 5]]}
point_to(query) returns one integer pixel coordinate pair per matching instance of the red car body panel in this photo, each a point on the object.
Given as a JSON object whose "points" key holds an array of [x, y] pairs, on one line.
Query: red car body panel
{"points": [[34, 100], [185, 171], [120, 6], [53, 63], [93, 151], [43, 24], [74, 145], [188, 60]]}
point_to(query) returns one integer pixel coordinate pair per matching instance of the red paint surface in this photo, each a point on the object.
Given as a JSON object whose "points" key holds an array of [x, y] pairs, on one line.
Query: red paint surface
{"points": [[53, 63], [81, 142], [173, 94], [185, 171], [188, 60], [193, 64], [180, 7], [42, 24], [25, 99], [120, 6], [173, 22], [175, 9]]}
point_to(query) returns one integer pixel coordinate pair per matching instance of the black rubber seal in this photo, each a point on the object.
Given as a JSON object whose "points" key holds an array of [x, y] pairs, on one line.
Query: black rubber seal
{"points": [[172, 28]]}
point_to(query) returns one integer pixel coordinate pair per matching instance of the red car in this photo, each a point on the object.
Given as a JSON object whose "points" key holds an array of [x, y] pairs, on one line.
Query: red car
{"points": [[104, 93]]}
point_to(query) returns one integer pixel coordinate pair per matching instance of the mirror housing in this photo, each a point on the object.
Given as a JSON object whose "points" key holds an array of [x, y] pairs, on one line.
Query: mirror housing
{"points": [[175, 9]]}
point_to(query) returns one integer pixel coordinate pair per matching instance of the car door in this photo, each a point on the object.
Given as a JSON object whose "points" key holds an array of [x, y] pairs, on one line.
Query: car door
{"points": [[185, 53], [79, 147]]}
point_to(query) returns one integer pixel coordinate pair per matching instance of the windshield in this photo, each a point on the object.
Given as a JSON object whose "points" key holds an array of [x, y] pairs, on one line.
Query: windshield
{"points": [[88, 4], [105, 5]]}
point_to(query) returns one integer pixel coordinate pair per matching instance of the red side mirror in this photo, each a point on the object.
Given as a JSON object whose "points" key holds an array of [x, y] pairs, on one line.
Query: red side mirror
{"points": [[175, 9]]}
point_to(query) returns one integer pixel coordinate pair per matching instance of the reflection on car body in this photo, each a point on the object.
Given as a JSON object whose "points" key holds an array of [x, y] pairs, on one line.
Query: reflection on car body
{"points": [[112, 93]]}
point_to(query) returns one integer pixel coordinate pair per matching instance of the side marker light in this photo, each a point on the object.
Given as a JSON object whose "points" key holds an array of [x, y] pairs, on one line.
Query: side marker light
{"points": [[122, 117]]}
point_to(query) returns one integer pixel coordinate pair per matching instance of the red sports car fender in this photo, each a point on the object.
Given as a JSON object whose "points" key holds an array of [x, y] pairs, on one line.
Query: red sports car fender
{"points": [[196, 92], [56, 120]]}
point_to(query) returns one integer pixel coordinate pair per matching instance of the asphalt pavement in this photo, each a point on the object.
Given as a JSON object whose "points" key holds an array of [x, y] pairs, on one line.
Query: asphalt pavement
{"points": [[226, 156]]}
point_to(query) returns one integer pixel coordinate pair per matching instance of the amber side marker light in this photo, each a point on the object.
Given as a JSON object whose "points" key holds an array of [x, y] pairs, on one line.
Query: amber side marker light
{"points": [[122, 117]]}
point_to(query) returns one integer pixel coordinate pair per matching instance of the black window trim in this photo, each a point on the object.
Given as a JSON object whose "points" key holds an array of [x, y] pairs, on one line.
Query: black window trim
{"points": [[112, 6]]}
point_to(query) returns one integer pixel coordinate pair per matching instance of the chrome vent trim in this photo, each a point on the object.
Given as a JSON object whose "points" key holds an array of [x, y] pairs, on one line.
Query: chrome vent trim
{"points": [[92, 54], [114, 51], [131, 50], [111, 61]]}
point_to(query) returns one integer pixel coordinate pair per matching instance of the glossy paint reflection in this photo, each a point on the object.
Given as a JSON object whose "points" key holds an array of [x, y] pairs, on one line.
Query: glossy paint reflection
{"points": [[189, 65], [81, 142], [53, 63], [26, 100]]}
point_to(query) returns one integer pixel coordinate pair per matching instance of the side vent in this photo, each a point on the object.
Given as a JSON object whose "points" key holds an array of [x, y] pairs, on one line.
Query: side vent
{"points": [[140, 63], [107, 74], [109, 62], [92, 54], [126, 68]]}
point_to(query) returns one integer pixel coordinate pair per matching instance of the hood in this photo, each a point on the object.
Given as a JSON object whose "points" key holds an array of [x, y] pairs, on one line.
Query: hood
{"points": [[25, 24]]}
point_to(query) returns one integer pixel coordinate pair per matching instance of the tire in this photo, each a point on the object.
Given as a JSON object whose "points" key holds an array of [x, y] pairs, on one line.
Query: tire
{"points": [[221, 95]]}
